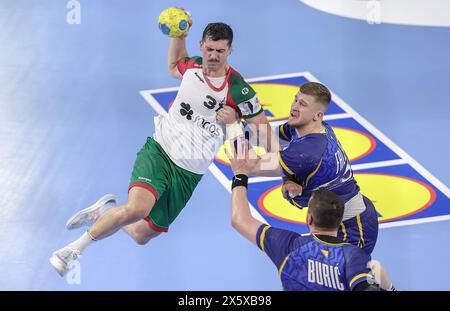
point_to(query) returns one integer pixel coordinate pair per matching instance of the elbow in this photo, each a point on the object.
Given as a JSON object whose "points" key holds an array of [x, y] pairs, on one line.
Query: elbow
{"points": [[171, 71], [236, 221]]}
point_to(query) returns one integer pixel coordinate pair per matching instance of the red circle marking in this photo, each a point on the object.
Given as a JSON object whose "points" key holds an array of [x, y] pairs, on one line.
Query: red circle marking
{"points": [[291, 85], [222, 161]]}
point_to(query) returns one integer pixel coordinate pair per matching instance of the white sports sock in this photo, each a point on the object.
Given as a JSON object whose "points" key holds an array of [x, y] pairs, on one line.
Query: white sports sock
{"points": [[82, 242]]}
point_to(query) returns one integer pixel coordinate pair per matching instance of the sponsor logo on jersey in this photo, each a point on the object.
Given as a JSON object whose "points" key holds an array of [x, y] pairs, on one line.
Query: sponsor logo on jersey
{"points": [[212, 128], [208, 126], [186, 111], [245, 91], [145, 179]]}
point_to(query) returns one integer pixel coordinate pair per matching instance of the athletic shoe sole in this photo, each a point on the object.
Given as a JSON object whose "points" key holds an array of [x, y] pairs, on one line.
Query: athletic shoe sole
{"points": [[58, 264], [102, 201]]}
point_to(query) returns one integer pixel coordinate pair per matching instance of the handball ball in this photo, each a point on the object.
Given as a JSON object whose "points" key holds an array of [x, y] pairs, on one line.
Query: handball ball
{"points": [[174, 22]]}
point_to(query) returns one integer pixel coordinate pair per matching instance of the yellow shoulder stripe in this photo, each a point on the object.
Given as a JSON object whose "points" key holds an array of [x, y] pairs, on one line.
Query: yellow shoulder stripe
{"points": [[262, 236], [313, 173], [356, 278], [282, 265], [282, 132], [286, 168]]}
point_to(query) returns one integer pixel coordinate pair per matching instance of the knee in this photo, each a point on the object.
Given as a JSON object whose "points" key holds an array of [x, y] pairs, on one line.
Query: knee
{"points": [[141, 239]]}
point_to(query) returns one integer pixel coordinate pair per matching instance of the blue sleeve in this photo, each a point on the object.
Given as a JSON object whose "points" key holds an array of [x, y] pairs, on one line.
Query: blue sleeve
{"points": [[302, 157], [276, 243], [284, 131], [356, 269]]}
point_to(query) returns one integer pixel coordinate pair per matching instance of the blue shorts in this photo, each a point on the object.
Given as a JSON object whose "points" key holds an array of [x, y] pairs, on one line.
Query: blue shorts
{"points": [[361, 230]]}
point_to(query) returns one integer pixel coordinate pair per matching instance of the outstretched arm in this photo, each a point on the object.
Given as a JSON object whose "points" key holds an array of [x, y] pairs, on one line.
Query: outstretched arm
{"points": [[177, 50], [241, 217]]}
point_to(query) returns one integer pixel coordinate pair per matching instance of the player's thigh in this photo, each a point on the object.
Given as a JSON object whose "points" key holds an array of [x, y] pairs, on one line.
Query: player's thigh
{"points": [[140, 201], [183, 185], [151, 170], [172, 202]]}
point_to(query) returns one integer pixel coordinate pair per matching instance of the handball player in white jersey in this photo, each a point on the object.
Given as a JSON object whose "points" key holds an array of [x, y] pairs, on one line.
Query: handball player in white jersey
{"points": [[171, 163]]}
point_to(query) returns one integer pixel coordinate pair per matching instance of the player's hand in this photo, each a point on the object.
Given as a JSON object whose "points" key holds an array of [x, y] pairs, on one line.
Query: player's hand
{"points": [[290, 190], [226, 115], [242, 160]]}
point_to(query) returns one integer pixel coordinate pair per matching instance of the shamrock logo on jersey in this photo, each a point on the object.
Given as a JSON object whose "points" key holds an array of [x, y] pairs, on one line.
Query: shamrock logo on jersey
{"points": [[186, 111]]}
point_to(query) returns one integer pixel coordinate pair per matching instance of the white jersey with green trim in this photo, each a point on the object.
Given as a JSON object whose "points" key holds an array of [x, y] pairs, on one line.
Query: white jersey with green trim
{"points": [[189, 132]]}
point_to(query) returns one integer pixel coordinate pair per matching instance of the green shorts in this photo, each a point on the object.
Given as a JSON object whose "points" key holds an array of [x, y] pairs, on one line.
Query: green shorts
{"points": [[171, 185]]}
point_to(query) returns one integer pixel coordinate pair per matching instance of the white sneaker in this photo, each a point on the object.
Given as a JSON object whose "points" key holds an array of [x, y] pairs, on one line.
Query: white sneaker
{"points": [[88, 216], [62, 258]]}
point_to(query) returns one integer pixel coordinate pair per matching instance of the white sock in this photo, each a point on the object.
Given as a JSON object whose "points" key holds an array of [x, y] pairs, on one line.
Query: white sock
{"points": [[82, 242]]}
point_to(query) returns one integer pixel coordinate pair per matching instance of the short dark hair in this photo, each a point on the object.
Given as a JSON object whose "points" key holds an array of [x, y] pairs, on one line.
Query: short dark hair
{"points": [[218, 31], [318, 90], [326, 209]]}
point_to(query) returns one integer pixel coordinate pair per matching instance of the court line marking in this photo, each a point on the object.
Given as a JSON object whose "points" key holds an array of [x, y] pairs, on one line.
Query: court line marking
{"points": [[349, 112], [401, 223]]}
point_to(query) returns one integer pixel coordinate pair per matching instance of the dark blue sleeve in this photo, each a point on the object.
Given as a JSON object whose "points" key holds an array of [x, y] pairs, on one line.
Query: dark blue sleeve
{"points": [[303, 156], [285, 132], [276, 243], [356, 269]]}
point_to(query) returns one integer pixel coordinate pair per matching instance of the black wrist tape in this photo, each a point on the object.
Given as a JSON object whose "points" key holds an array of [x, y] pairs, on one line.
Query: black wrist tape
{"points": [[239, 180]]}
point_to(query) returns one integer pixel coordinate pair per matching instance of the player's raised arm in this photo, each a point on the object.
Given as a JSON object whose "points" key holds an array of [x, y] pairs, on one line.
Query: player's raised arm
{"points": [[177, 51], [241, 217]]}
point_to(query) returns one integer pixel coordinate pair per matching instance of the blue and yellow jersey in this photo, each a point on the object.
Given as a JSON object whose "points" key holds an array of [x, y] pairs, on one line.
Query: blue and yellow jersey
{"points": [[317, 161], [313, 262]]}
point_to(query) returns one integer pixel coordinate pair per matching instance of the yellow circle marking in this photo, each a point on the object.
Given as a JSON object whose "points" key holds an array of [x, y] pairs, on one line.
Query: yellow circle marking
{"points": [[221, 156], [356, 144], [277, 98], [394, 197]]}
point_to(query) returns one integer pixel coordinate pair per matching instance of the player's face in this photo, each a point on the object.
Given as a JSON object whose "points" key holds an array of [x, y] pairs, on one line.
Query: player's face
{"points": [[215, 54], [304, 110]]}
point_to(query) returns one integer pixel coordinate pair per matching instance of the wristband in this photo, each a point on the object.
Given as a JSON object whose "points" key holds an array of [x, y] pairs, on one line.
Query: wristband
{"points": [[239, 180]]}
